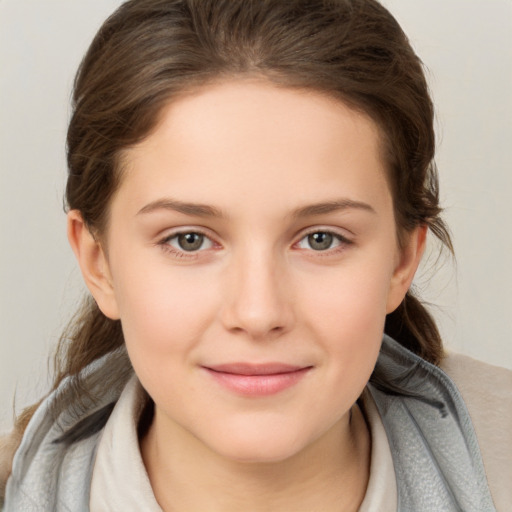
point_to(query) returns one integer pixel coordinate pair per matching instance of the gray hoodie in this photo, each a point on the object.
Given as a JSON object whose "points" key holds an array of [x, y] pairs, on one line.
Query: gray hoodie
{"points": [[435, 452]]}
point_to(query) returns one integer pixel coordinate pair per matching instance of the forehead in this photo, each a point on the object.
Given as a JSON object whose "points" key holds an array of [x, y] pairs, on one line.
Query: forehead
{"points": [[251, 140]]}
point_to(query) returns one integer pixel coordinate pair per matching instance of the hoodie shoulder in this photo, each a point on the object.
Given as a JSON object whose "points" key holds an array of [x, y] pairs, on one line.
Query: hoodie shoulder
{"points": [[487, 392], [8, 445]]}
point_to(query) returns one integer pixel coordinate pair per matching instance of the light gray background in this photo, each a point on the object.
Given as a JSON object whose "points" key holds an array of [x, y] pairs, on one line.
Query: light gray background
{"points": [[467, 46]]}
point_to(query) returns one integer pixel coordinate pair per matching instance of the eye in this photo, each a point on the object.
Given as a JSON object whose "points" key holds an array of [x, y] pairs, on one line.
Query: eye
{"points": [[322, 241], [189, 242]]}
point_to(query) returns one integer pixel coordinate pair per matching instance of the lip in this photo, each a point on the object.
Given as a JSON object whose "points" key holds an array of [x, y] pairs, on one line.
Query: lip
{"points": [[257, 380]]}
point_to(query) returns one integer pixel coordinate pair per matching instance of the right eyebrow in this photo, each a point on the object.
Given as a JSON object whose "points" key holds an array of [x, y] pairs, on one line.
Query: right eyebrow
{"points": [[195, 209]]}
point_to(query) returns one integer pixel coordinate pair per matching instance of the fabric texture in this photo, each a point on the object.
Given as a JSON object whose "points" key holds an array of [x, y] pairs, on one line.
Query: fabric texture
{"points": [[434, 448], [436, 456], [52, 473], [120, 481], [487, 392], [381, 493]]}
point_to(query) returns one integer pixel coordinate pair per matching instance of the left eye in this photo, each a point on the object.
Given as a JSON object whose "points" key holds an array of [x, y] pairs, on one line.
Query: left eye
{"points": [[320, 241], [189, 242]]}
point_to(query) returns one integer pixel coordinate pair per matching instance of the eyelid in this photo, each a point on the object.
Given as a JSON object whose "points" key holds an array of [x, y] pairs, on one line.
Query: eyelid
{"points": [[172, 233], [163, 241], [324, 229], [182, 230], [344, 240]]}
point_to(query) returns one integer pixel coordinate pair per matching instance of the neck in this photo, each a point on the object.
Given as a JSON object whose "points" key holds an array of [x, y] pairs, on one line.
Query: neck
{"points": [[330, 475]]}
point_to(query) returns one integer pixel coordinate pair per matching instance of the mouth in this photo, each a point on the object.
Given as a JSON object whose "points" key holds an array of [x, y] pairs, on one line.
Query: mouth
{"points": [[257, 380]]}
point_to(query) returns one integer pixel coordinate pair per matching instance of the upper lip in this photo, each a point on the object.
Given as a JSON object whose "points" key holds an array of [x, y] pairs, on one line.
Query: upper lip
{"points": [[255, 369]]}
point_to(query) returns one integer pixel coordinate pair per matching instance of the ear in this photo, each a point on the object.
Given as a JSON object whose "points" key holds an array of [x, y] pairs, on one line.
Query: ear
{"points": [[408, 262], [93, 264]]}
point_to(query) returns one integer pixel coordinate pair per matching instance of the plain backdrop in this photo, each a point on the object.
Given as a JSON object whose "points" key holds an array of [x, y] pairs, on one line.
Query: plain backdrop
{"points": [[467, 48]]}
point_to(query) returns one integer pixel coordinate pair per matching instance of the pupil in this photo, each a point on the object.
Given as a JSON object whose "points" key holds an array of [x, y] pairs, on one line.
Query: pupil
{"points": [[190, 241], [320, 241]]}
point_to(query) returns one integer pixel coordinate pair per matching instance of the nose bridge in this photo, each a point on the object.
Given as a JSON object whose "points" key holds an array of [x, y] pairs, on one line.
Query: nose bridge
{"points": [[259, 301]]}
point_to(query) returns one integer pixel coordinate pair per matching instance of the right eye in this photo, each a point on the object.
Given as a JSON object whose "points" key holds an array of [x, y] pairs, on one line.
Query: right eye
{"points": [[189, 241]]}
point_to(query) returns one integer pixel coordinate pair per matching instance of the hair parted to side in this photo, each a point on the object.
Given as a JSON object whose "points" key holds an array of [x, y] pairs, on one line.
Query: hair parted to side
{"points": [[151, 51]]}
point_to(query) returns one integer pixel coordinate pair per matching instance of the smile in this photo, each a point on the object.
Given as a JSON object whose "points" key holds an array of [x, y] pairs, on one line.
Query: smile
{"points": [[257, 380]]}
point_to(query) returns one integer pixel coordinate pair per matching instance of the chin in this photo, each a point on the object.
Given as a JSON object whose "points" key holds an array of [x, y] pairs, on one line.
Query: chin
{"points": [[262, 453], [259, 444]]}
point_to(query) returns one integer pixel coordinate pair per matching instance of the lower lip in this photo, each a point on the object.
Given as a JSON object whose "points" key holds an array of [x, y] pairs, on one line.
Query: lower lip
{"points": [[258, 385]]}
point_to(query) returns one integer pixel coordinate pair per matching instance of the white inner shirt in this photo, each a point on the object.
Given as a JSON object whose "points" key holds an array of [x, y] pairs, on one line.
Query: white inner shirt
{"points": [[120, 480]]}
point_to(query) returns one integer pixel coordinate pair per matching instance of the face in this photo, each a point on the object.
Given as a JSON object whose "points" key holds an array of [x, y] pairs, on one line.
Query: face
{"points": [[252, 256]]}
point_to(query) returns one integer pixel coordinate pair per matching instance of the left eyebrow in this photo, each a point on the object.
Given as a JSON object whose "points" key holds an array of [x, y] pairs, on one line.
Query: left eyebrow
{"points": [[330, 207]]}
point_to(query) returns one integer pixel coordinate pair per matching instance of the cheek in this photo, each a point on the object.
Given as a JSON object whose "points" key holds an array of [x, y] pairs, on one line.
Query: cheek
{"points": [[351, 300], [163, 310], [346, 311]]}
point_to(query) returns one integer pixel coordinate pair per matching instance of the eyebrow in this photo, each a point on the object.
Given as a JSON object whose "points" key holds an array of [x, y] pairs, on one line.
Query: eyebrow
{"points": [[195, 209], [204, 210], [330, 207]]}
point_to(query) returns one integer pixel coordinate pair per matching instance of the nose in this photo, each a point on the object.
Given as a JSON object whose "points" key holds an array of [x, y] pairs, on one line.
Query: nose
{"points": [[259, 298]]}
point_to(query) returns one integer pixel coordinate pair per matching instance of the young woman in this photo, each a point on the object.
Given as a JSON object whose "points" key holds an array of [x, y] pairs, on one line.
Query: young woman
{"points": [[250, 188]]}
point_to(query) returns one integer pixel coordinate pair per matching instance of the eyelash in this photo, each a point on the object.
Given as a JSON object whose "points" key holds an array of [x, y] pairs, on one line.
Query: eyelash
{"points": [[182, 254], [343, 241]]}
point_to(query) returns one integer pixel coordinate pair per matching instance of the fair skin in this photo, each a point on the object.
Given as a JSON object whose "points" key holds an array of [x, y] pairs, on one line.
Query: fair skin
{"points": [[289, 268]]}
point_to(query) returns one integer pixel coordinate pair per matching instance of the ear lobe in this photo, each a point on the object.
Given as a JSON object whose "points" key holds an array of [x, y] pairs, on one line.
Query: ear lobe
{"points": [[410, 257], [93, 264]]}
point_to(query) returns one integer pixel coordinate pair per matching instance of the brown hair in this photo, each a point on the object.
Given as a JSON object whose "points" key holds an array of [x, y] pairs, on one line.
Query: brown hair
{"points": [[150, 51]]}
